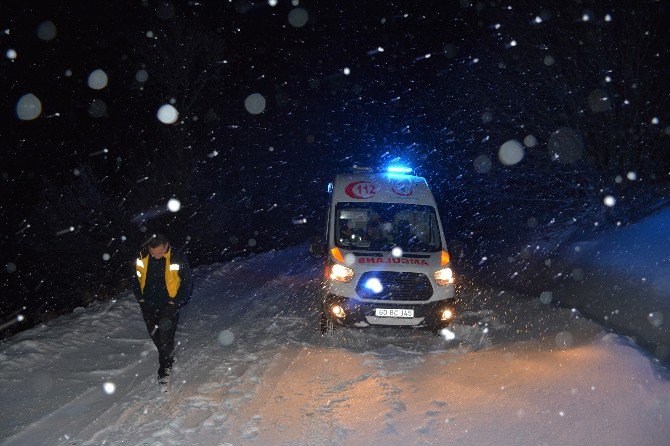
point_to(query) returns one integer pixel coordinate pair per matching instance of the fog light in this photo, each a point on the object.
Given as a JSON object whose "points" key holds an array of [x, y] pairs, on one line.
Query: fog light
{"points": [[337, 311], [447, 314]]}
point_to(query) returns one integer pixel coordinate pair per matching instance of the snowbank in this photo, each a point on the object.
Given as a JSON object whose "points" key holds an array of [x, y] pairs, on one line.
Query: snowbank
{"points": [[623, 280]]}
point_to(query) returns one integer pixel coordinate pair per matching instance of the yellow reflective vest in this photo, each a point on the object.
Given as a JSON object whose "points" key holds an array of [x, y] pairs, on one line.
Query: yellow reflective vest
{"points": [[172, 279]]}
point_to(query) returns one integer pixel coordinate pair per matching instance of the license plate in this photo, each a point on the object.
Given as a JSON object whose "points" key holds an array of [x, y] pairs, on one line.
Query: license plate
{"points": [[393, 312]]}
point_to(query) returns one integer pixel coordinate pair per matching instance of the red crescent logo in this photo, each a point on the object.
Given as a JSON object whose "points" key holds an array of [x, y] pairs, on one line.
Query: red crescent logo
{"points": [[403, 189], [360, 190]]}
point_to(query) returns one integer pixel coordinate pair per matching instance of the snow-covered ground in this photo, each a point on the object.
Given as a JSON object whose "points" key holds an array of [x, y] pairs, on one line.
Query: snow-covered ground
{"points": [[623, 279], [252, 369]]}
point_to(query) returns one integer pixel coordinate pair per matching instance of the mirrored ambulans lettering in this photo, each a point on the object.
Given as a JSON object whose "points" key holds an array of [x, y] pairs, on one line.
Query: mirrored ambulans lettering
{"points": [[421, 262]]}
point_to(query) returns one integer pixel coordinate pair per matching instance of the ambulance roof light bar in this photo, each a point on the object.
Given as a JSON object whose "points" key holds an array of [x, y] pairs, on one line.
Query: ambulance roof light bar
{"points": [[393, 169], [399, 169]]}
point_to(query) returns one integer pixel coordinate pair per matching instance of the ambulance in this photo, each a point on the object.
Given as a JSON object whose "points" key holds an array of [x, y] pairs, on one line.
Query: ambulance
{"points": [[386, 260]]}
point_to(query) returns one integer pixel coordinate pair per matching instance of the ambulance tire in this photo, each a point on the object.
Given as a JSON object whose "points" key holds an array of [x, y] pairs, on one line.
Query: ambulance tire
{"points": [[327, 325]]}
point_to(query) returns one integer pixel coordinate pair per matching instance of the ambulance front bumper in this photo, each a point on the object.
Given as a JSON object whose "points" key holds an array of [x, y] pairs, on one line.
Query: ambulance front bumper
{"points": [[359, 313]]}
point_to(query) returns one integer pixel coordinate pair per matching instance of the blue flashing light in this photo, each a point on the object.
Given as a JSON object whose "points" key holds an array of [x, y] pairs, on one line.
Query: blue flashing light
{"points": [[399, 169], [374, 285]]}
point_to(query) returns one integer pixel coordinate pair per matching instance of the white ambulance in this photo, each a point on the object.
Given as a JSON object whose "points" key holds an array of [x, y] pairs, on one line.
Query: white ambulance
{"points": [[386, 258]]}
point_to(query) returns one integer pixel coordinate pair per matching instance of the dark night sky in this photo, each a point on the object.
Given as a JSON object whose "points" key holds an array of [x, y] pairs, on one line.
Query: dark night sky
{"points": [[399, 103], [315, 114], [265, 55]]}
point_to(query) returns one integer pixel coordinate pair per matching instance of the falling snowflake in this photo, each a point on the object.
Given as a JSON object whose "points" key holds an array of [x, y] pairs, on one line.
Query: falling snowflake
{"points": [[29, 107], [167, 114], [255, 103], [46, 30], [173, 205], [98, 79], [226, 337], [448, 334], [298, 17], [141, 76], [530, 141], [511, 152]]}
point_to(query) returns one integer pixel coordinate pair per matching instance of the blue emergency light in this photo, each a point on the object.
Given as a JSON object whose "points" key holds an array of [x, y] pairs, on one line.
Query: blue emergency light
{"points": [[399, 169], [374, 285]]}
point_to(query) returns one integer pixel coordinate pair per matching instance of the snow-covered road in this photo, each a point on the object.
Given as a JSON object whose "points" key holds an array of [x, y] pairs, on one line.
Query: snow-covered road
{"points": [[252, 369]]}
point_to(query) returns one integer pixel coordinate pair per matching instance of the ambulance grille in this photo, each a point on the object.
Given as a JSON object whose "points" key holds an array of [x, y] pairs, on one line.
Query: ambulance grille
{"points": [[396, 286]]}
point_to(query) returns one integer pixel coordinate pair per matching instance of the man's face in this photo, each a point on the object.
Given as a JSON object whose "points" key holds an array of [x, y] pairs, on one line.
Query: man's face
{"points": [[159, 251]]}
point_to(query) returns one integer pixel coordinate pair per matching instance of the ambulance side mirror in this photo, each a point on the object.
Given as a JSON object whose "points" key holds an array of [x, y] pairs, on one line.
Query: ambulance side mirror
{"points": [[456, 249], [317, 247]]}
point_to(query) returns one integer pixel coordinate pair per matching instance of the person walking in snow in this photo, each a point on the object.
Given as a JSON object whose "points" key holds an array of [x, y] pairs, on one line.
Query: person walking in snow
{"points": [[162, 287]]}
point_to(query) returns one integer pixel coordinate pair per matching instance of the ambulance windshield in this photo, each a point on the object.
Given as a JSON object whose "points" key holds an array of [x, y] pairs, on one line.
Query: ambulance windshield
{"points": [[382, 226]]}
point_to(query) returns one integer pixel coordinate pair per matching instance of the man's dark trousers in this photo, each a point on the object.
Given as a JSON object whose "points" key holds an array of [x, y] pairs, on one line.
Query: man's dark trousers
{"points": [[162, 325]]}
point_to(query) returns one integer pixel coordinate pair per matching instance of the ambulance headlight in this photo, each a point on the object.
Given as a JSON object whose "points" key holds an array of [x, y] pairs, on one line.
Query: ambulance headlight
{"points": [[444, 276], [341, 273]]}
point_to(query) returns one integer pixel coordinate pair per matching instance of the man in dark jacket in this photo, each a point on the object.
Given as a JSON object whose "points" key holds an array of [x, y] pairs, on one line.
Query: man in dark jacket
{"points": [[162, 287]]}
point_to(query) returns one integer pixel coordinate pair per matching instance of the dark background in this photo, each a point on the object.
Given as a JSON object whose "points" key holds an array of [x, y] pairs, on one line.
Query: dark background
{"points": [[497, 71]]}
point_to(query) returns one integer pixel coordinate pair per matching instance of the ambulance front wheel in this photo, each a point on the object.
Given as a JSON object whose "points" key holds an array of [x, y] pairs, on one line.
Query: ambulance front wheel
{"points": [[327, 324]]}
